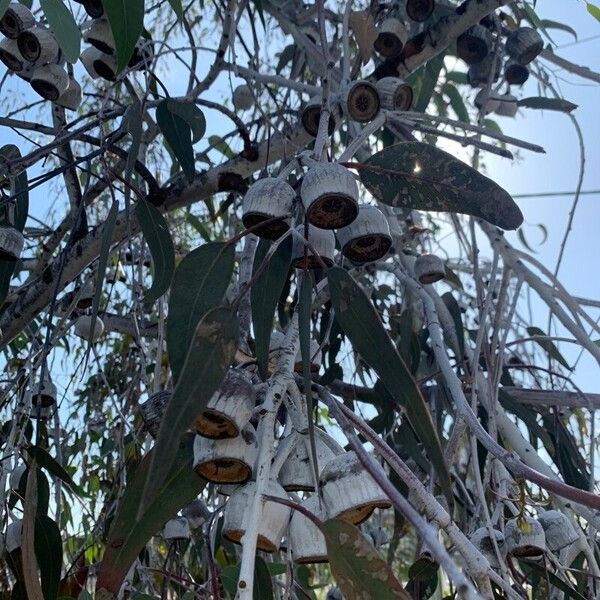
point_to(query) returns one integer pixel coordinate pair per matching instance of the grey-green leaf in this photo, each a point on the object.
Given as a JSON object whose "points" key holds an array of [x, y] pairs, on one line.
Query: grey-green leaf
{"points": [[211, 353], [265, 295], [548, 346], [361, 323], [178, 135], [126, 18], [419, 176], [158, 238], [200, 282], [64, 28], [177, 7], [542, 103], [191, 114]]}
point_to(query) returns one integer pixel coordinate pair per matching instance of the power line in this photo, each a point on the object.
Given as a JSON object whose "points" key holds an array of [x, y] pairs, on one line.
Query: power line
{"points": [[549, 194]]}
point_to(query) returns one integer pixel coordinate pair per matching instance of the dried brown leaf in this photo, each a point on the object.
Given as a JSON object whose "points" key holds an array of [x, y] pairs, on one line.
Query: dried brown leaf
{"points": [[363, 27]]}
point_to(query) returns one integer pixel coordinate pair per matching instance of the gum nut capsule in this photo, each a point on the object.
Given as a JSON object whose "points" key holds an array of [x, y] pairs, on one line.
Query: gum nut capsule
{"points": [[474, 44], [394, 94], [273, 522], [429, 268], [243, 98], [50, 81], [85, 295], [560, 532], [229, 409], [515, 73], [361, 101], [483, 542], [307, 543], [525, 537], [367, 238], [100, 36], [268, 198], [492, 102], [177, 529], [153, 409], [16, 19], [524, 44], [99, 64], [38, 45], [11, 57], [507, 105], [478, 75], [11, 243], [329, 194], [391, 37], [83, 328], [196, 513], [310, 116], [322, 242], [315, 358], [297, 473], [44, 393], [12, 540], [71, 97], [350, 493], [229, 460], [419, 10]]}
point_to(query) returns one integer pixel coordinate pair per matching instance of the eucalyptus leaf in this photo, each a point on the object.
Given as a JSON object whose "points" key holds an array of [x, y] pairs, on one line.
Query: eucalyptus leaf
{"points": [[126, 18], [542, 103], [63, 26], [548, 346], [177, 8]]}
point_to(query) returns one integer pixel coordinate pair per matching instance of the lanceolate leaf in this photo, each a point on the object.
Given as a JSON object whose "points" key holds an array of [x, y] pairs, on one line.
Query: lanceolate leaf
{"points": [[64, 28], [178, 134], [126, 18], [456, 101], [49, 554], [548, 346], [431, 74], [358, 569], [191, 114], [158, 238], [211, 352], [265, 294], [549, 24], [420, 176], [177, 7], [361, 323], [47, 462], [547, 104], [128, 534], [200, 282], [554, 580]]}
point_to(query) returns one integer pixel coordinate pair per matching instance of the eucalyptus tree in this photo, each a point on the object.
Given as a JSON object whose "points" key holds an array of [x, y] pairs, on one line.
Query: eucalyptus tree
{"points": [[263, 333]]}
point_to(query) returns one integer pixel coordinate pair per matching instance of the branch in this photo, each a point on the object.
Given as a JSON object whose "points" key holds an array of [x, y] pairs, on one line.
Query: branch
{"points": [[569, 66]]}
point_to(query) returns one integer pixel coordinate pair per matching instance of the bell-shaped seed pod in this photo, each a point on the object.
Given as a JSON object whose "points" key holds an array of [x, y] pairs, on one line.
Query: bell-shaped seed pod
{"points": [[268, 198], [322, 241], [17, 475], [99, 64], [42, 413], [16, 19], [229, 460], [360, 101], [153, 409], [44, 393], [242, 97], [524, 44], [315, 358], [305, 539], [349, 491], [474, 44], [11, 56], [330, 196], [429, 268], [515, 73], [310, 116], [392, 36], [394, 93], [558, 529], [524, 537], [483, 542], [196, 513], [272, 522], [83, 328], [100, 36], [38, 45], [367, 238], [296, 474], [492, 101], [177, 529], [419, 10], [507, 105], [11, 243], [478, 75], [14, 532], [50, 81], [85, 297], [71, 97], [229, 409]]}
